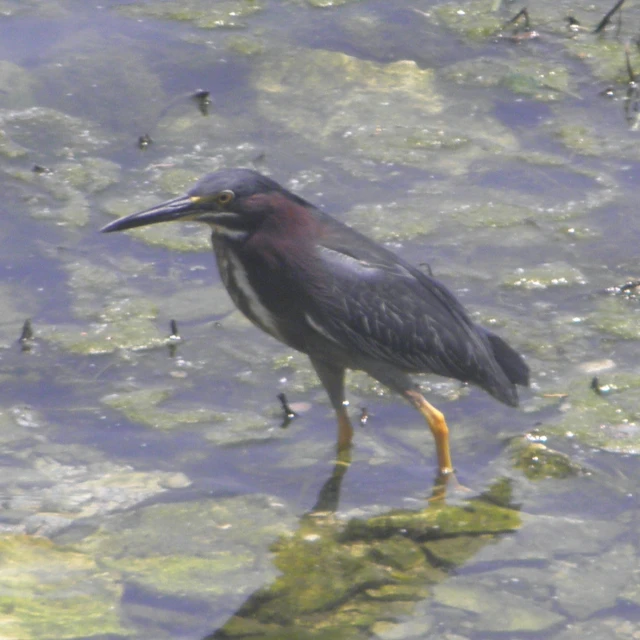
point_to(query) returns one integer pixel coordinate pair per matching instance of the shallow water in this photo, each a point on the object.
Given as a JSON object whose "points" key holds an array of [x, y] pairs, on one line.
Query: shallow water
{"points": [[156, 476]]}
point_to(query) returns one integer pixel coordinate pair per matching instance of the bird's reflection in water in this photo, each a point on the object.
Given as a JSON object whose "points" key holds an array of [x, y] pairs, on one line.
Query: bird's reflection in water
{"points": [[338, 578], [329, 495]]}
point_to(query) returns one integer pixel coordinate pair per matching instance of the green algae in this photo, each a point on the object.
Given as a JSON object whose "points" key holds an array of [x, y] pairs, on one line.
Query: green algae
{"points": [[198, 299], [204, 15], [123, 323], [475, 518], [10, 149], [221, 554], [391, 113], [50, 591], [476, 20], [16, 86], [60, 193], [608, 420], [539, 462], [397, 552], [98, 61], [183, 575], [245, 46], [317, 575], [90, 175], [582, 133], [530, 77], [392, 221], [325, 4], [61, 134], [539, 81], [334, 72], [605, 57], [580, 138], [617, 318], [241, 427], [494, 214], [133, 334], [547, 275], [351, 101], [34, 9], [141, 406], [177, 180], [66, 187]]}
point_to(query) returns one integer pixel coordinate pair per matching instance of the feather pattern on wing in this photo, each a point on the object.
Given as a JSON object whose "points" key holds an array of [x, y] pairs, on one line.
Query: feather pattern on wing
{"points": [[391, 311]]}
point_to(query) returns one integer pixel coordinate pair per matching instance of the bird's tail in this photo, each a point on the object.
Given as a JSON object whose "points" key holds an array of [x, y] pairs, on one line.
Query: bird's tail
{"points": [[513, 367]]}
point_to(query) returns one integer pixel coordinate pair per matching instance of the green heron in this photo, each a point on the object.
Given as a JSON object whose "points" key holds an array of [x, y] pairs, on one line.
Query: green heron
{"points": [[324, 289]]}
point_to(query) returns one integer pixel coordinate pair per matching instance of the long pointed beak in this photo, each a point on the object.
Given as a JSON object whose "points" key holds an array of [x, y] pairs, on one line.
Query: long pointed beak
{"points": [[177, 209]]}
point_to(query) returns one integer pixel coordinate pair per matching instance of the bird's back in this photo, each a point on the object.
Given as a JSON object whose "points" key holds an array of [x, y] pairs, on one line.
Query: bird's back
{"points": [[395, 313]]}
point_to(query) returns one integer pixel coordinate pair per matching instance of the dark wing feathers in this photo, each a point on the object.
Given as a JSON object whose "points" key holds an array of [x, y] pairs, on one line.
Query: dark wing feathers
{"points": [[394, 312], [511, 362]]}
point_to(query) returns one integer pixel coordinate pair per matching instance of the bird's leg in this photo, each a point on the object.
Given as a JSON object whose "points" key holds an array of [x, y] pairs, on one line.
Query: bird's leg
{"points": [[345, 430], [438, 425], [332, 378]]}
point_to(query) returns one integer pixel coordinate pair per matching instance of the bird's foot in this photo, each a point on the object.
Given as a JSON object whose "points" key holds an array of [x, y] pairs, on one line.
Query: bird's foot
{"points": [[445, 484]]}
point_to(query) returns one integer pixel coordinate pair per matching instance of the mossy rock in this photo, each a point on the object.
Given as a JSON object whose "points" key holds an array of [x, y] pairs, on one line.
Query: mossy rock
{"points": [[340, 582], [474, 518], [539, 462]]}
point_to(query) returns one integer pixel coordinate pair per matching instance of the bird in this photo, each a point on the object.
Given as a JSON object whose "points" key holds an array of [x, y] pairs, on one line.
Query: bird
{"points": [[347, 302]]}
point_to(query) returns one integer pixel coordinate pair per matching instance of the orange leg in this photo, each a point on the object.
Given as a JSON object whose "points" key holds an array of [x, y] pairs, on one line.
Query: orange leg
{"points": [[439, 429], [345, 430], [332, 378]]}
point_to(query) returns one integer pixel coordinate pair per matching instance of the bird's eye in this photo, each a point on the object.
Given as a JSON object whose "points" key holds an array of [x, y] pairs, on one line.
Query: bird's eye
{"points": [[225, 197]]}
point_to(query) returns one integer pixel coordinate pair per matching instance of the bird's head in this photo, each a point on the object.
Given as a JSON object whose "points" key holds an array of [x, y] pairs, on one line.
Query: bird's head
{"points": [[235, 202]]}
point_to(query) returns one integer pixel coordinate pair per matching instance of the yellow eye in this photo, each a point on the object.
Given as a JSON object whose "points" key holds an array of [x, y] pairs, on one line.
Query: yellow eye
{"points": [[225, 197]]}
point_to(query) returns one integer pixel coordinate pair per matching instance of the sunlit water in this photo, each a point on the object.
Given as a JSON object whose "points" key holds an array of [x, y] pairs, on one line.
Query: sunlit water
{"points": [[518, 190]]}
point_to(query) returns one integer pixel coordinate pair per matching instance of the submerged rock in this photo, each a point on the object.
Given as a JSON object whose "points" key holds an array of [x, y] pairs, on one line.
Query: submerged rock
{"points": [[344, 581]]}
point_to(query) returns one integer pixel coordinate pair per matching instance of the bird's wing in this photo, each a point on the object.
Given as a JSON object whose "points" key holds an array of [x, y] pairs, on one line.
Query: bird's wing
{"points": [[383, 308]]}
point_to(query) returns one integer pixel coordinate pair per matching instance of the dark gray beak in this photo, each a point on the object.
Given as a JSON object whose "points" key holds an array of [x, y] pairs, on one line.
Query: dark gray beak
{"points": [[180, 208]]}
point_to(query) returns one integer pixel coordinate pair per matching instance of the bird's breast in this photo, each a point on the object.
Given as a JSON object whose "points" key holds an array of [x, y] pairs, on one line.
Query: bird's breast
{"points": [[271, 284], [236, 277]]}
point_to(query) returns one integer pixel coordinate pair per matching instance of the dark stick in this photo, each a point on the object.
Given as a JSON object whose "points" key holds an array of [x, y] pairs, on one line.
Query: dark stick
{"points": [[174, 338], [632, 77], [607, 18], [26, 337], [523, 13], [289, 413], [203, 100], [27, 331]]}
